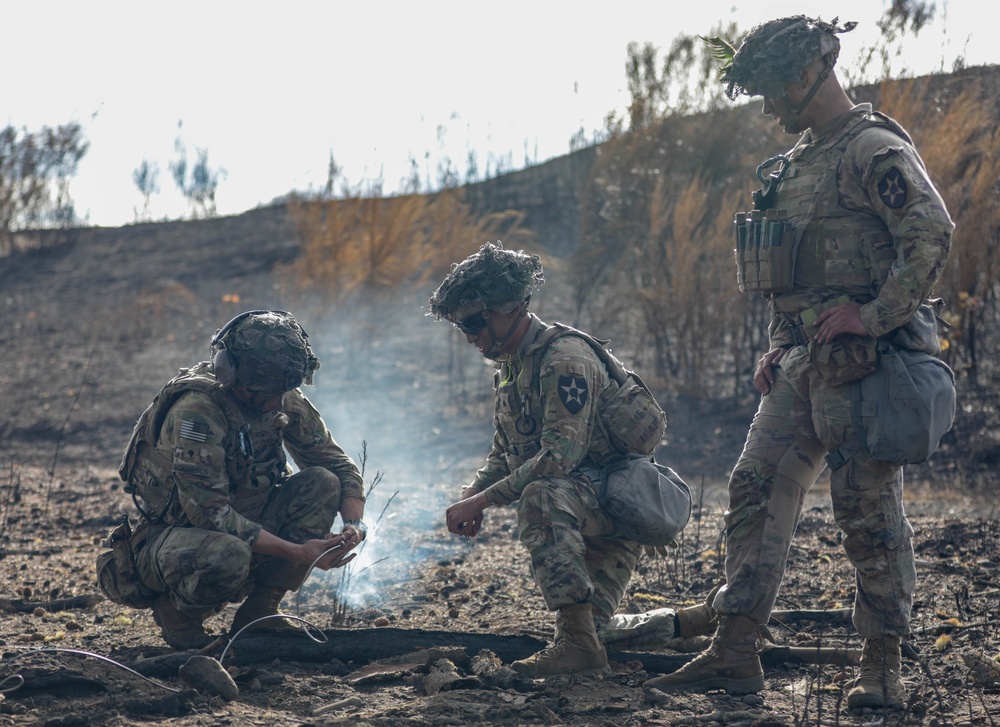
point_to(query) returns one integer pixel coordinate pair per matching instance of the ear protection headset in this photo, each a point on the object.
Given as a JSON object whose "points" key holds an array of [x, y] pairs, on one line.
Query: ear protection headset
{"points": [[225, 369]]}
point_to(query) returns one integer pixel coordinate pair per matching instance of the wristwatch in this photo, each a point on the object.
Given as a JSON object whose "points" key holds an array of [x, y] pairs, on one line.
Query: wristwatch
{"points": [[358, 525]]}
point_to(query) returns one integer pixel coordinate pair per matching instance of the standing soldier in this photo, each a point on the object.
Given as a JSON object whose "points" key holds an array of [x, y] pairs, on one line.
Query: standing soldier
{"points": [[848, 239], [548, 449], [222, 516]]}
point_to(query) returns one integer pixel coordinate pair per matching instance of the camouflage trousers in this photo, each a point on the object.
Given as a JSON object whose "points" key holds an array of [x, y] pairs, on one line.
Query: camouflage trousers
{"points": [[576, 554], [204, 569], [796, 425]]}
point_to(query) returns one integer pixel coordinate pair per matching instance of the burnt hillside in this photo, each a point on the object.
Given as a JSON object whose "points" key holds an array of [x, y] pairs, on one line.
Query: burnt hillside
{"points": [[91, 325]]}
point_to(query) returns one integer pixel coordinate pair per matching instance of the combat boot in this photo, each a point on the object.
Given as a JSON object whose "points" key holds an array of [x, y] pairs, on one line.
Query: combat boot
{"points": [[179, 630], [730, 662], [878, 683], [263, 601], [577, 649], [700, 620]]}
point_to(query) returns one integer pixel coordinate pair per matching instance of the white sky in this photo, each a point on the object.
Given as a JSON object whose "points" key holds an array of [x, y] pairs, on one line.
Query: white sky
{"points": [[271, 89]]}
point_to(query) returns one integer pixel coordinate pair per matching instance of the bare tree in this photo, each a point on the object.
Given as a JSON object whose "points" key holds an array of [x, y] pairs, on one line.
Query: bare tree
{"points": [[36, 169], [198, 182], [146, 178]]}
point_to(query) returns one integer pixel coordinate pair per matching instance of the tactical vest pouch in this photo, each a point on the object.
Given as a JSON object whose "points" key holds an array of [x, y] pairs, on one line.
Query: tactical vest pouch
{"points": [[633, 419], [775, 258], [116, 572], [649, 502], [748, 232], [844, 359], [765, 252], [847, 358]]}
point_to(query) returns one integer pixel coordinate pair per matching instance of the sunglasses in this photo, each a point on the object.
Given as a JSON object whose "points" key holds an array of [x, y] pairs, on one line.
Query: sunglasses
{"points": [[472, 325]]}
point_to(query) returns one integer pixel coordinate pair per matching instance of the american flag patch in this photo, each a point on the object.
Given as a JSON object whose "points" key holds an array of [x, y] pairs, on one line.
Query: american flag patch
{"points": [[195, 431]]}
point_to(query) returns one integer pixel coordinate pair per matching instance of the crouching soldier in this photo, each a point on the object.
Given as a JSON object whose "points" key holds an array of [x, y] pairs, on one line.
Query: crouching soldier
{"points": [[554, 388], [221, 516]]}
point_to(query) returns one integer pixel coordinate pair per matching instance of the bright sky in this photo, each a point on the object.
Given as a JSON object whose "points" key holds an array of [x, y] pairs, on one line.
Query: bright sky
{"points": [[270, 90]]}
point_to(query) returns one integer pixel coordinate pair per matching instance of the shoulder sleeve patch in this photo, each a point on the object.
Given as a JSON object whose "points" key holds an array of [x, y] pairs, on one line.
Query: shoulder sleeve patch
{"points": [[194, 431], [892, 189], [573, 392]]}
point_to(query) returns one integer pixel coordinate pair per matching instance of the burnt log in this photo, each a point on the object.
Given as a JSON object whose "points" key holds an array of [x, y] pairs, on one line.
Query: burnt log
{"points": [[842, 616], [361, 646], [52, 605]]}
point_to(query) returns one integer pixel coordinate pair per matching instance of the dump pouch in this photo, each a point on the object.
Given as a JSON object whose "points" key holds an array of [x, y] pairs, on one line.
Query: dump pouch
{"points": [[649, 502]]}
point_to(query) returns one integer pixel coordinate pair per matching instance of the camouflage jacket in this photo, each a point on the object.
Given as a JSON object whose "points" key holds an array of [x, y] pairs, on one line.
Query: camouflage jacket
{"points": [[868, 223], [202, 460], [551, 430]]}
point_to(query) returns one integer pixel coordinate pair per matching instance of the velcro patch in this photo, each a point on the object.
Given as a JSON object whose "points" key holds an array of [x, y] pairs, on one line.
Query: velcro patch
{"points": [[573, 392], [892, 189], [195, 431]]}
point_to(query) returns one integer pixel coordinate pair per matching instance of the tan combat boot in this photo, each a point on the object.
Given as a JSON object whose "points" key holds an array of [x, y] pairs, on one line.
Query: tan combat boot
{"points": [[730, 662], [178, 629], [577, 649], [700, 620], [262, 601], [878, 684]]}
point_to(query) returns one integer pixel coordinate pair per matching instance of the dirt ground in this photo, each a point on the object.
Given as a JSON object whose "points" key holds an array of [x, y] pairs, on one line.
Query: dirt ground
{"points": [[53, 526], [86, 344]]}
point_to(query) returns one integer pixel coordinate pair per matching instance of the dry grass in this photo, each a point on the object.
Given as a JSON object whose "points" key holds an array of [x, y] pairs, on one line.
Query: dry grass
{"points": [[960, 145], [368, 246]]}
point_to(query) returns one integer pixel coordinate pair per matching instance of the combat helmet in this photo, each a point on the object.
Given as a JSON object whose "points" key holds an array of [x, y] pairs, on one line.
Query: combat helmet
{"points": [[491, 279], [775, 52], [263, 350]]}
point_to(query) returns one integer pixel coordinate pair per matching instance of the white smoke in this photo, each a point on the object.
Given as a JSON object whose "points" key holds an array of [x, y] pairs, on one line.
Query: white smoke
{"points": [[409, 400]]}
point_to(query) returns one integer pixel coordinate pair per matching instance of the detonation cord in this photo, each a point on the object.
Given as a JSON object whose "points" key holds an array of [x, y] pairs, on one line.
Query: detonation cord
{"points": [[308, 628], [78, 652]]}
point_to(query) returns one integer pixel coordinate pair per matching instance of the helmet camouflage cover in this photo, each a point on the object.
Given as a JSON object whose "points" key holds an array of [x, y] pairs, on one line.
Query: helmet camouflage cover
{"points": [[491, 279], [269, 351], [773, 53]]}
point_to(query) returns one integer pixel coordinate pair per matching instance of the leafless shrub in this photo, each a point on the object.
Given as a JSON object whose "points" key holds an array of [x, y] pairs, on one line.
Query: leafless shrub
{"points": [[35, 172]]}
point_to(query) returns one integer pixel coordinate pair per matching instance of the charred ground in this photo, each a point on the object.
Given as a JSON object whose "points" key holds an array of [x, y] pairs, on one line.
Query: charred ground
{"points": [[91, 328]]}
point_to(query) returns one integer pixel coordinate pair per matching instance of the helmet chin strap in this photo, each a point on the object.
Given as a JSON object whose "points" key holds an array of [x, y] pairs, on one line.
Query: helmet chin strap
{"points": [[797, 109], [499, 343]]}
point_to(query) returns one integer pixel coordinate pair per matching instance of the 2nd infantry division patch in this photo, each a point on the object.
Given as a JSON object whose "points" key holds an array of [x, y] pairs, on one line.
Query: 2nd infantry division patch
{"points": [[573, 393], [892, 189]]}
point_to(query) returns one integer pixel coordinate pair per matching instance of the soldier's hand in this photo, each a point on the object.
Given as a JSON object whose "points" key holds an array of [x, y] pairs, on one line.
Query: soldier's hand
{"points": [[843, 318], [332, 551], [655, 550], [763, 375], [465, 517]]}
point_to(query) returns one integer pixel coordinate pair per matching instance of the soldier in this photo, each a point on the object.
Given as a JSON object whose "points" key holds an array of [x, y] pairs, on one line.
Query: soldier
{"points": [[548, 449], [849, 237], [222, 516]]}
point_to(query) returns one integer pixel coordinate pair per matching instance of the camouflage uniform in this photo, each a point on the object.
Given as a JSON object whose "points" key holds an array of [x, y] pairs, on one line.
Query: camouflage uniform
{"points": [[547, 451], [868, 224], [215, 475]]}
